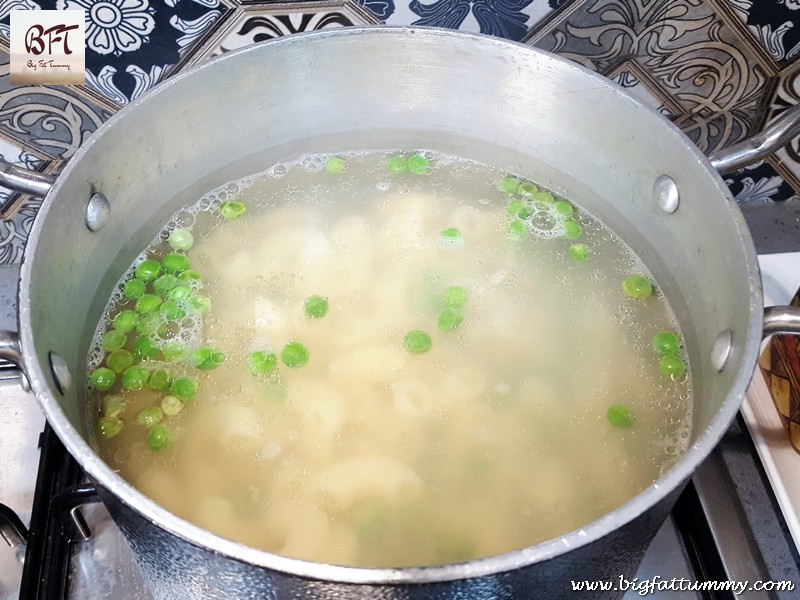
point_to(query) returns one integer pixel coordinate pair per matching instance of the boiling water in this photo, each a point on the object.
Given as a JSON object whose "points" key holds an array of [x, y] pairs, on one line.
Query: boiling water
{"points": [[371, 455]]}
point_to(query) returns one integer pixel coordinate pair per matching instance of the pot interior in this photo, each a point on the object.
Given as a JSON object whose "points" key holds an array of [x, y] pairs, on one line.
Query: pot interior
{"points": [[480, 98]]}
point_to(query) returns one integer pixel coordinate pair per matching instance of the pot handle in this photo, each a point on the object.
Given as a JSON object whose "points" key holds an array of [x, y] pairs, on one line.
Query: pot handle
{"points": [[9, 348], [773, 137], [12, 529], [24, 181], [781, 319]]}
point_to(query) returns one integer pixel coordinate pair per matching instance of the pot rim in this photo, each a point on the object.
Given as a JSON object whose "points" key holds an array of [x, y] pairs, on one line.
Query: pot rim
{"points": [[115, 484]]}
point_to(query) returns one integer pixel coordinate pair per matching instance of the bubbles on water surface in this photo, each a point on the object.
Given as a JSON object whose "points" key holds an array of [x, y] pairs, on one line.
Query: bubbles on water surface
{"points": [[548, 259]]}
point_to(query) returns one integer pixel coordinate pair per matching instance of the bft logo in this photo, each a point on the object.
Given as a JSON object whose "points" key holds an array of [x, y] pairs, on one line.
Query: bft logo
{"points": [[47, 46], [36, 36]]}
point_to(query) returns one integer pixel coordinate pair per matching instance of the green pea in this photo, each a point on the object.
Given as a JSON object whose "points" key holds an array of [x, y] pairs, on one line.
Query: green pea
{"points": [[514, 207], [159, 438], [207, 359], [174, 351], [174, 263], [666, 343], [369, 519], [144, 349], [619, 416], [572, 230], [579, 252], [231, 209], [159, 380], [672, 367], [150, 416], [119, 360], [316, 307], [564, 208], [455, 548], [396, 164], [526, 212], [171, 311], [149, 323], [516, 231], [262, 363], [106, 428], [125, 321], [171, 406], [184, 388], [637, 286], [114, 340], [451, 237], [147, 304], [147, 270], [417, 341], [134, 378], [164, 284], [102, 378], [418, 164], [455, 296], [112, 405], [508, 185], [450, 318], [180, 292], [190, 275], [543, 197], [199, 304], [180, 239], [294, 355], [527, 189], [335, 165], [134, 289]]}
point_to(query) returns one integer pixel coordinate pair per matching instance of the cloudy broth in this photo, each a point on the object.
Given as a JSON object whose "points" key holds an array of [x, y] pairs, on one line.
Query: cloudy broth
{"points": [[476, 377]]}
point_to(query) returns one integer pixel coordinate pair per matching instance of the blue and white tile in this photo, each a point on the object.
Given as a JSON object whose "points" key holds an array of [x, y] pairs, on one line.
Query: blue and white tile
{"points": [[774, 23], [131, 45], [260, 21], [634, 79], [509, 19], [18, 211], [698, 53], [787, 94], [760, 184], [6, 6], [382, 9], [14, 153], [14, 232], [53, 119], [50, 118]]}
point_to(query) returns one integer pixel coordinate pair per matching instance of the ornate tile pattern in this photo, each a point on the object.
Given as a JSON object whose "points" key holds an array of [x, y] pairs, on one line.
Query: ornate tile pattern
{"points": [[632, 76], [774, 23], [259, 21], [688, 48], [17, 211], [719, 68], [55, 120], [509, 19], [133, 44], [787, 93], [701, 63]]}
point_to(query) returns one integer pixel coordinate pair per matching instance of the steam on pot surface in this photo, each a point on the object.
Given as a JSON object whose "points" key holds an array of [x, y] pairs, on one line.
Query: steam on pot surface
{"points": [[388, 359]]}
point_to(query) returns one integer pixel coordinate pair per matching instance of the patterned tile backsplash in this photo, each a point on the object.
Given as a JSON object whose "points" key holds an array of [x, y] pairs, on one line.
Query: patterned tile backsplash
{"points": [[720, 69]]}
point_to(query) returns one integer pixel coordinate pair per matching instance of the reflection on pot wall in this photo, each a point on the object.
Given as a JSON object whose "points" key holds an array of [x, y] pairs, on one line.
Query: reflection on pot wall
{"points": [[719, 68]]}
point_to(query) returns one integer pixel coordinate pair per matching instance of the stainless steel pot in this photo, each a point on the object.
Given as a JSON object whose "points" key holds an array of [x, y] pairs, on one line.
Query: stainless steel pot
{"points": [[478, 97]]}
